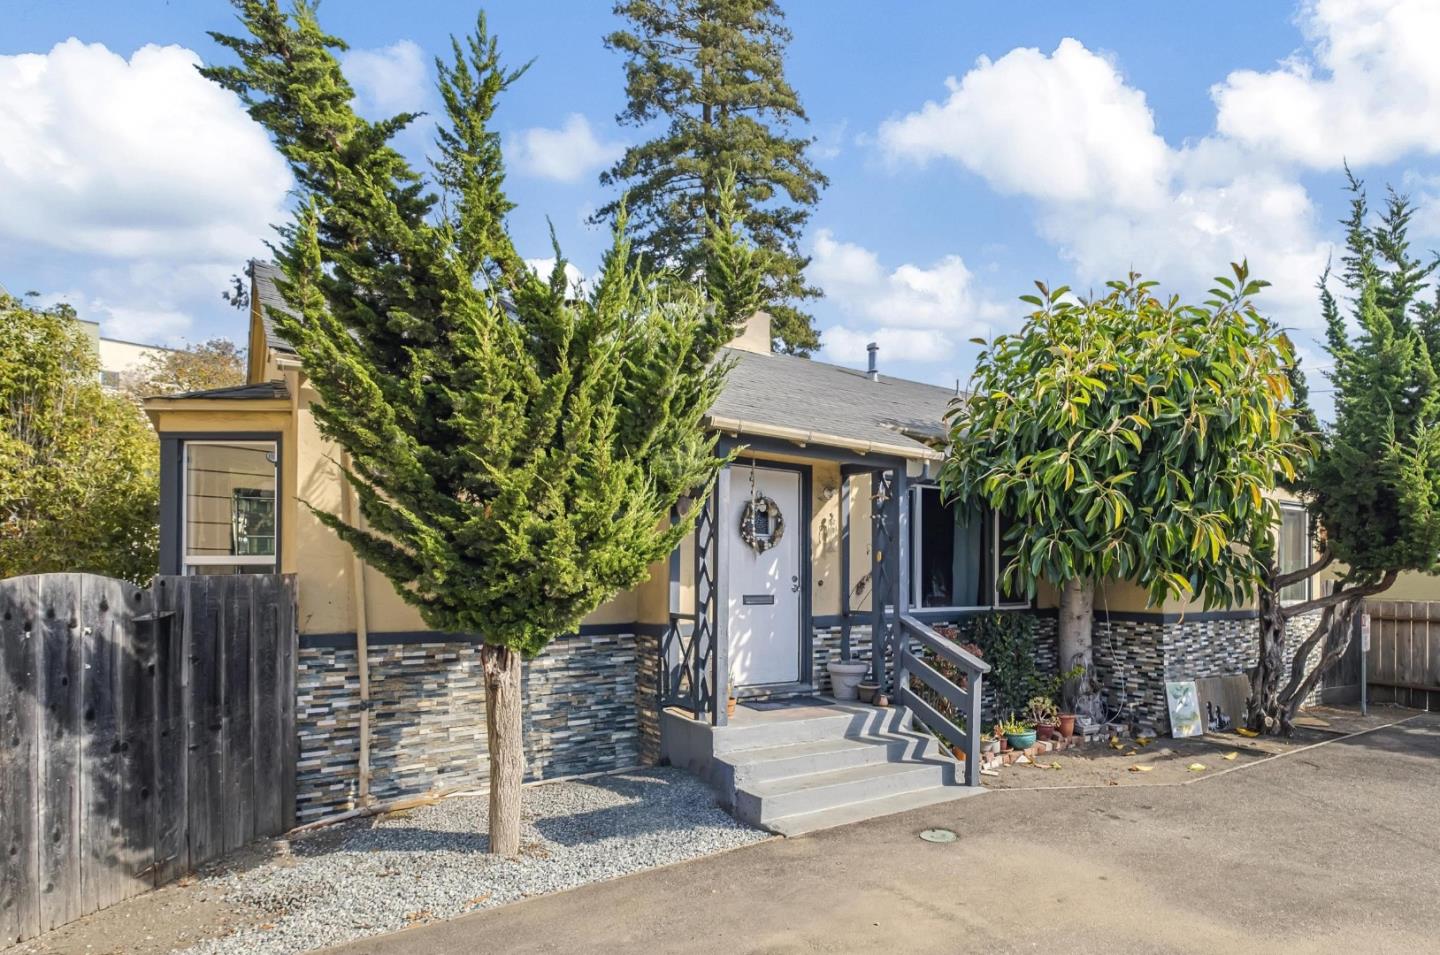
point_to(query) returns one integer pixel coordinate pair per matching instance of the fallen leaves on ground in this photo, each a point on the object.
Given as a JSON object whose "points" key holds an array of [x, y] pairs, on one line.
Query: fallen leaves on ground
{"points": [[1230, 755], [1198, 767], [1247, 733], [1141, 769], [1142, 741], [1115, 743]]}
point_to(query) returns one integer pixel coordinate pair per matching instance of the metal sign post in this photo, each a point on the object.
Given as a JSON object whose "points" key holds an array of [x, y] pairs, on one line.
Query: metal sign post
{"points": [[1364, 659]]}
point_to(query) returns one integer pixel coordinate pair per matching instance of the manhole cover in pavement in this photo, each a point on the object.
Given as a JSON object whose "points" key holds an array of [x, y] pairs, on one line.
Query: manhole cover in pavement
{"points": [[938, 835]]}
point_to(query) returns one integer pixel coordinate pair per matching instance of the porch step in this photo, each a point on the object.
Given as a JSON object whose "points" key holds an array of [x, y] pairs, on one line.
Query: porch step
{"points": [[764, 804], [807, 724], [749, 767], [807, 767], [801, 823]]}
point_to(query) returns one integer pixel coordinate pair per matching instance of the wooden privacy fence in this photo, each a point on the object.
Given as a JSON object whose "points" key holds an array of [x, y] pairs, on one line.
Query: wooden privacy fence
{"points": [[142, 732], [1404, 660]]}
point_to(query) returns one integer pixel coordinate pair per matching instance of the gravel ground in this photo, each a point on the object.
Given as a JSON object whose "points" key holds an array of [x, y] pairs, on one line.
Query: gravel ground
{"points": [[429, 863]]}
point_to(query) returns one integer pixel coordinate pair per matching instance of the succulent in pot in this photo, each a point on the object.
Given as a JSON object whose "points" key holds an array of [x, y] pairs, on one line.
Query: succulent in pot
{"points": [[1019, 733]]}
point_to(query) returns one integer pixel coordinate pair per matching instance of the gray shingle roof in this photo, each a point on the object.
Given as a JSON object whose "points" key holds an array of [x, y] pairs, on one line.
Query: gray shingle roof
{"points": [[265, 389], [831, 402], [265, 274]]}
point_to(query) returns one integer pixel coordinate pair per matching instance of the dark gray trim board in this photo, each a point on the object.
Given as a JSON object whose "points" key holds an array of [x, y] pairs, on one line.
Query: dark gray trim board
{"points": [[819, 452], [394, 638], [1148, 616]]}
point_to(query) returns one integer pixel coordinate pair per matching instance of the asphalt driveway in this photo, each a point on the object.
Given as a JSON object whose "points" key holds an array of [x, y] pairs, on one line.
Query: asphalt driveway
{"points": [[1334, 848]]}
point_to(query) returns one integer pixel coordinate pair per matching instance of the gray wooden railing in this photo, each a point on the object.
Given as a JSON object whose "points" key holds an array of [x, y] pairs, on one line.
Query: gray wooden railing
{"points": [[966, 700]]}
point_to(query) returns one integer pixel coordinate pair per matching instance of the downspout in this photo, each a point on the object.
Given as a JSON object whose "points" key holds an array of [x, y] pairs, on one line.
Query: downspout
{"points": [[362, 635]]}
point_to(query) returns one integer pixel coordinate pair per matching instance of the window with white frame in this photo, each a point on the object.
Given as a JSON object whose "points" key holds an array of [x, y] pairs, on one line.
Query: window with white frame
{"points": [[229, 524], [1293, 552], [956, 555]]}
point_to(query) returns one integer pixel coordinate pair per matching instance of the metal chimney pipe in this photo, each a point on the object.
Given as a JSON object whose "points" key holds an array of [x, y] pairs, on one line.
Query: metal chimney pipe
{"points": [[873, 372]]}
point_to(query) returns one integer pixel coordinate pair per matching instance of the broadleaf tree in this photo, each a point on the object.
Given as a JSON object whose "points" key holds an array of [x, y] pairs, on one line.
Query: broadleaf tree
{"points": [[711, 75], [79, 466], [215, 363], [1373, 488], [1131, 437], [515, 449]]}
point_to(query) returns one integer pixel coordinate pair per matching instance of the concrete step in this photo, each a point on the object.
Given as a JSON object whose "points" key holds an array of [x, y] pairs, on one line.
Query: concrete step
{"points": [[807, 725], [801, 823], [760, 803], [749, 767]]}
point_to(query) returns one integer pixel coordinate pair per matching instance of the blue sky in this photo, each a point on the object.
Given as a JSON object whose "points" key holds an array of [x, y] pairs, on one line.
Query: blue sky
{"points": [[971, 148]]}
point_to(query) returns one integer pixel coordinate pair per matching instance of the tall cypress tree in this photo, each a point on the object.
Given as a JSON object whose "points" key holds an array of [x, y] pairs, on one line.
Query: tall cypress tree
{"points": [[714, 71], [1373, 488], [516, 452]]}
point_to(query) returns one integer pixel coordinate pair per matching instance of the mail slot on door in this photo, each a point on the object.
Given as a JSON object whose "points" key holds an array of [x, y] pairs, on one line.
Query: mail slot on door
{"points": [[759, 600]]}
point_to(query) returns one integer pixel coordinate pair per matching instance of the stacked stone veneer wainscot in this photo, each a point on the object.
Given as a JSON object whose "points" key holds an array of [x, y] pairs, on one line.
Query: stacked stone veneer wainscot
{"points": [[826, 646], [1136, 654], [589, 707]]}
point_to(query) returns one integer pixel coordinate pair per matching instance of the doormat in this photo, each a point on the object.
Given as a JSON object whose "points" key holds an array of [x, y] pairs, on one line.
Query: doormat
{"points": [[786, 703]]}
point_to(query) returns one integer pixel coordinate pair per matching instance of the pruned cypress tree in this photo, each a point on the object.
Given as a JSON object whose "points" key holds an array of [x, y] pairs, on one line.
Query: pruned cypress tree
{"points": [[1373, 487], [713, 72], [516, 450]]}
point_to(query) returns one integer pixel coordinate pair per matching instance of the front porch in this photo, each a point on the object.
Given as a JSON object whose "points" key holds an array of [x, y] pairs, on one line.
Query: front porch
{"points": [[729, 606], [795, 766]]}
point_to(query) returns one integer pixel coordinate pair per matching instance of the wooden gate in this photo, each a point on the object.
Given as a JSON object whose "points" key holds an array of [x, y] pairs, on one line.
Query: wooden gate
{"points": [[142, 732], [1404, 658]]}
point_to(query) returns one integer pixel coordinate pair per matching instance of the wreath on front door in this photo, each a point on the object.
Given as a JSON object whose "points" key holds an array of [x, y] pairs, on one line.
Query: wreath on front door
{"points": [[761, 524]]}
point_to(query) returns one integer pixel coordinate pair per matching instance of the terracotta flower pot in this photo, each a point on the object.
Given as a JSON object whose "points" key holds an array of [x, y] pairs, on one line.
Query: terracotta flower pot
{"points": [[1046, 730], [1067, 725]]}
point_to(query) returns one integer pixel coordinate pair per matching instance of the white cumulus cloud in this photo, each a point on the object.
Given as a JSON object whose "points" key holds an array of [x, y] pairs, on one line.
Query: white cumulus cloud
{"points": [[131, 187], [388, 80], [1063, 127], [915, 312], [1068, 131], [567, 154], [1367, 90], [131, 158]]}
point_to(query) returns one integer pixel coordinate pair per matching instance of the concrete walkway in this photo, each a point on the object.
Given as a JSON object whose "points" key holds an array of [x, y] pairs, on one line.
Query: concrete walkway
{"points": [[1335, 848]]}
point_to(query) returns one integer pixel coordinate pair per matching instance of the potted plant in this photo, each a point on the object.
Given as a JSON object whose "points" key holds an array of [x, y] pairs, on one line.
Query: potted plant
{"points": [[1067, 720], [845, 677], [989, 744], [1044, 714], [867, 690], [1019, 733]]}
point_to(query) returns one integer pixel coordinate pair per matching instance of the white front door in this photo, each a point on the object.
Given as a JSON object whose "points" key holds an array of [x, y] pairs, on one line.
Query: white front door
{"points": [[765, 588]]}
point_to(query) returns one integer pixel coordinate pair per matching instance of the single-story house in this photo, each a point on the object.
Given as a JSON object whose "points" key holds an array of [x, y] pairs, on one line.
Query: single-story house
{"points": [[831, 501]]}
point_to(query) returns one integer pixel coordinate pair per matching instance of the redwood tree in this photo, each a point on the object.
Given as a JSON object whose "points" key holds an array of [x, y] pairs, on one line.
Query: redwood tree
{"points": [[706, 80], [516, 451], [1373, 489]]}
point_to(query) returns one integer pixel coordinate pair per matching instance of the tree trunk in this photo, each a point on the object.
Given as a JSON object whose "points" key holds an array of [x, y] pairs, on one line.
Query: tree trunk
{"points": [[1076, 629], [504, 730], [1263, 709], [1337, 640]]}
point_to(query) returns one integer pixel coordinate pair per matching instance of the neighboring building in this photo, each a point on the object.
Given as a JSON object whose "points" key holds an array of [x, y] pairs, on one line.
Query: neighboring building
{"points": [[648, 674], [119, 358]]}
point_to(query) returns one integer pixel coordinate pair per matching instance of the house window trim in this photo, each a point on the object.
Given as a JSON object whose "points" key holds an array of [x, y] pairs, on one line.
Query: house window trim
{"points": [[1308, 552], [173, 538], [917, 499]]}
